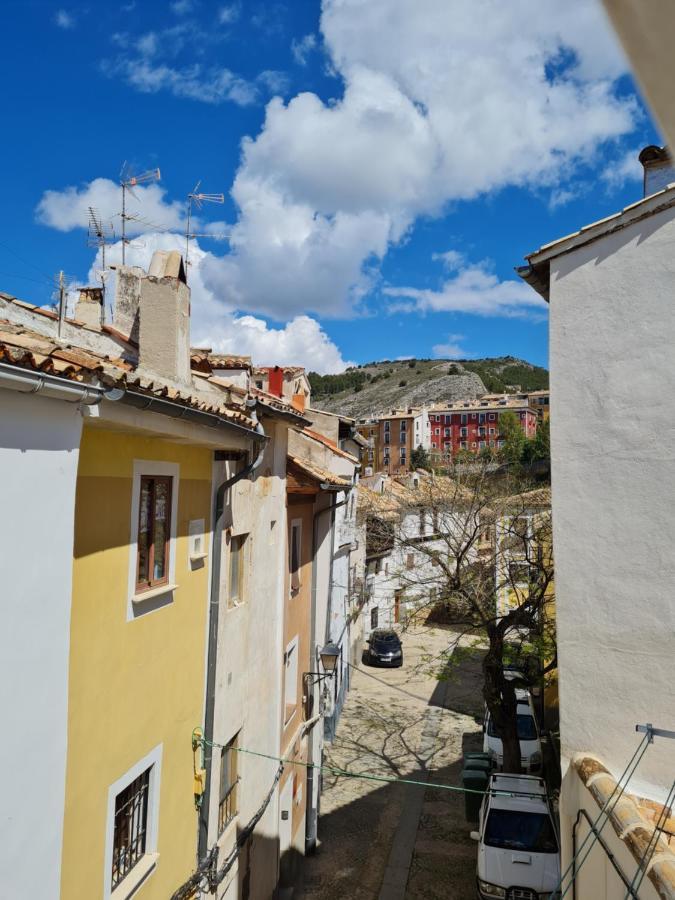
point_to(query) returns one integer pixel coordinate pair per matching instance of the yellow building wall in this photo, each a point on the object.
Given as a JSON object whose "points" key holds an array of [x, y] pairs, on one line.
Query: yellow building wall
{"points": [[132, 684]]}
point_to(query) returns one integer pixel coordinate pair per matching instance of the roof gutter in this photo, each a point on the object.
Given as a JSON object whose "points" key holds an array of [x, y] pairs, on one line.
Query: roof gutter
{"points": [[28, 382], [179, 411]]}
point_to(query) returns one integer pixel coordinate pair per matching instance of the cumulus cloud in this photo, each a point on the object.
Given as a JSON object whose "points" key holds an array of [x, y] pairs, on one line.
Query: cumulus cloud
{"points": [[68, 209], [623, 170], [215, 322], [64, 19], [182, 7], [451, 349], [473, 289], [485, 95]]}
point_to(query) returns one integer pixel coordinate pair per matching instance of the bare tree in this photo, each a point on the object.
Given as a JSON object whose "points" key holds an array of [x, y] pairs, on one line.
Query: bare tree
{"points": [[474, 549]]}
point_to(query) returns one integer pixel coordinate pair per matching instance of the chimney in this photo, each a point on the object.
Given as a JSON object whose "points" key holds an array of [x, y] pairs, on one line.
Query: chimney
{"points": [[89, 307], [164, 320], [276, 381], [127, 298], [659, 170]]}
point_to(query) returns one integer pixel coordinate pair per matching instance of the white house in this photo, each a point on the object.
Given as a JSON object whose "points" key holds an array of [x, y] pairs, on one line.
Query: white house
{"points": [[612, 330], [38, 470]]}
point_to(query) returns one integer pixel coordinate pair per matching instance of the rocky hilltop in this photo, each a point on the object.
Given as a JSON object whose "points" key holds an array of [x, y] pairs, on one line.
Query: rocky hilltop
{"points": [[374, 388]]}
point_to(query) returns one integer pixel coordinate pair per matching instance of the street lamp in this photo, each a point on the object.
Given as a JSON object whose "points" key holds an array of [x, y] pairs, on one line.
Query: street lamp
{"points": [[329, 655]]}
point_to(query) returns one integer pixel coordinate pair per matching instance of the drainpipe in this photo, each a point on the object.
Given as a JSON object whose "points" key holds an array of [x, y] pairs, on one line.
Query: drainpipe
{"points": [[312, 814], [214, 607]]}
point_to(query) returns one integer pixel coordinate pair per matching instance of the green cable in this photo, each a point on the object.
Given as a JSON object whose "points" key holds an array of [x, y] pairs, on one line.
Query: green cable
{"points": [[381, 778]]}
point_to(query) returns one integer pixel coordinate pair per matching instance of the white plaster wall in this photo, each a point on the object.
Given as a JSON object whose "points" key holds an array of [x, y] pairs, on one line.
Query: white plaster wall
{"points": [[249, 666], [613, 456], [39, 449]]}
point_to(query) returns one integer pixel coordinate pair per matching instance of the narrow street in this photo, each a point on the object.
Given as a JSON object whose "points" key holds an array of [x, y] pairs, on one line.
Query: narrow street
{"points": [[382, 841]]}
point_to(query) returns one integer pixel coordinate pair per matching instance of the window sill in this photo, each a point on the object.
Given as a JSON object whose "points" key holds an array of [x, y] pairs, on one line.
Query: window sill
{"points": [[138, 874], [198, 557], [153, 592]]}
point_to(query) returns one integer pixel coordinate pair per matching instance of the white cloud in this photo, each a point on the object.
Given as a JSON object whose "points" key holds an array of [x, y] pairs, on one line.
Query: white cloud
{"points": [[485, 95], [69, 209], [302, 48], [451, 259], [214, 321], [623, 170], [182, 7], [474, 289], [451, 349], [64, 19], [229, 13], [207, 84]]}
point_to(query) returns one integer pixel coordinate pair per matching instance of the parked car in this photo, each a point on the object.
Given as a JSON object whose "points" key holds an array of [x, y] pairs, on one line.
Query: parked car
{"points": [[518, 849], [384, 648], [528, 735]]}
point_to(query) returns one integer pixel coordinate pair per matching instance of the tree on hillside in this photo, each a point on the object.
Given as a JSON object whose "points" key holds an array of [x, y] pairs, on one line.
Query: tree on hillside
{"points": [[513, 436], [419, 458], [477, 551]]}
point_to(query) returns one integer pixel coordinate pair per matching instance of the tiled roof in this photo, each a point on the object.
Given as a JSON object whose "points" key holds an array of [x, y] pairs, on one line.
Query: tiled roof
{"points": [[308, 473], [206, 361], [27, 349], [633, 819], [315, 435]]}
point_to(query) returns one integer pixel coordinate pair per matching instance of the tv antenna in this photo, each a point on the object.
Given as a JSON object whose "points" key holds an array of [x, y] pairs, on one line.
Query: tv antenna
{"points": [[98, 235], [128, 182], [195, 196]]}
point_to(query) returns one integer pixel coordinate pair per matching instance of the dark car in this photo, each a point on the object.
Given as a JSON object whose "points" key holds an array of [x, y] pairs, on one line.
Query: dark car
{"points": [[384, 648]]}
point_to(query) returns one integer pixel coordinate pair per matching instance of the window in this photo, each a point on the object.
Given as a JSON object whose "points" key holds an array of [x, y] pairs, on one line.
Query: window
{"points": [[229, 779], [481, 445], [386, 426], [481, 417], [374, 614], [473, 415], [237, 570], [463, 432], [463, 445], [410, 561], [464, 419], [437, 431], [422, 521], [130, 827], [481, 430], [492, 431], [259, 385], [473, 444], [447, 432], [295, 555], [491, 416], [290, 680], [154, 531]]}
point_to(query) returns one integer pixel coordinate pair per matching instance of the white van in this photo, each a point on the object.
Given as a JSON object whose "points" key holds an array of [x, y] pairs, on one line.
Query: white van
{"points": [[518, 850], [528, 734]]}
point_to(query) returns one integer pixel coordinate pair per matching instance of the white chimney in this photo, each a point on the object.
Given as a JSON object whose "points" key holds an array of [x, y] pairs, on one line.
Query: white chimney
{"points": [[164, 319], [89, 307], [659, 170], [127, 299]]}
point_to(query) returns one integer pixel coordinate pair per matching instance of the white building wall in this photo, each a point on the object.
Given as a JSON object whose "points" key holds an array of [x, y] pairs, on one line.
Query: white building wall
{"points": [[249, 665], [39, 450], [612, 438]]}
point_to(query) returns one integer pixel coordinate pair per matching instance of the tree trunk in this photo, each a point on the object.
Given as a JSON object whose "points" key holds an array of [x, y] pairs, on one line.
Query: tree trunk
{"points": [[500, 697]]}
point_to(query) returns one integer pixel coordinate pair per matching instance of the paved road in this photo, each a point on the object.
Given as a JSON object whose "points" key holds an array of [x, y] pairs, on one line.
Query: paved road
{"points": [[390, 841]]}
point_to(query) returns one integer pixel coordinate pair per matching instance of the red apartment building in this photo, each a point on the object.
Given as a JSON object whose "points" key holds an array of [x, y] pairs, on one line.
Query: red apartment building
{"points": [[473, 425]]}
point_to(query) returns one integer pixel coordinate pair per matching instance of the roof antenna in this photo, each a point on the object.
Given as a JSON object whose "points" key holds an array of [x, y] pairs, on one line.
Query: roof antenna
{"points": [[98, 234], [199, 198], [128, 182]]}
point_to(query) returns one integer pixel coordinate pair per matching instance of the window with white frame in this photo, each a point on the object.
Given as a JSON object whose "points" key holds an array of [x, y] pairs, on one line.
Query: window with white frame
{"points": [[492, 431], [154, 516], [290, 680], [491, 416], [131, 829]]}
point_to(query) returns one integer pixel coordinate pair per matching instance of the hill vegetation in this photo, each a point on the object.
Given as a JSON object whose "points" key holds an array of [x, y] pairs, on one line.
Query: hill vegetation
{"points": [[374, 387]]}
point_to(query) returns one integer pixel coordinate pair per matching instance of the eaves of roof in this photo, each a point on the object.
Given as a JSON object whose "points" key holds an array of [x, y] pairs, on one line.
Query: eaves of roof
{"points": [[321, 439], [537, 272]]}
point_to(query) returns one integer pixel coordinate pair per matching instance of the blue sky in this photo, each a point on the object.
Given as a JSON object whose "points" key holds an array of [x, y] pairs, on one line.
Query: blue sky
{"points": [[385, 164]]}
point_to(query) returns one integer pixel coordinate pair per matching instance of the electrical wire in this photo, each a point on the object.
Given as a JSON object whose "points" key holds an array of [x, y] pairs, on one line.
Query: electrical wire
{"points": [[344, 773], [595, 832], [26, 262], [643, 863]]}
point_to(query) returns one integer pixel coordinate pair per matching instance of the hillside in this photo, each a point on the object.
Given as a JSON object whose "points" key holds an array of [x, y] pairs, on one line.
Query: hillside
{"points": [[373, 388]]}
